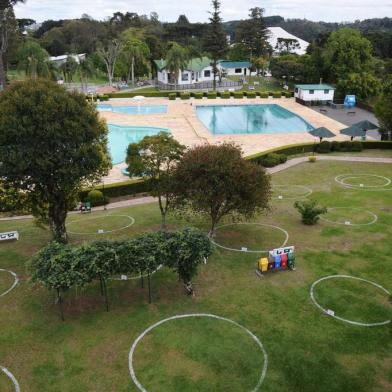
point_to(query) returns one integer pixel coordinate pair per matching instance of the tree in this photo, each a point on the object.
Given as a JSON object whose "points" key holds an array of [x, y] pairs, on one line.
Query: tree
{"points": [[58, 268], [215, 41], [253, 33], [109, 55], [51, 150], [8, 26], [364, 85], [287, 67], [86, 70], [309, 211], [260, 64], [383, 110], [154, 158], [347, 51], [189, 248], [133, 50], [33, 60], [217, 181], [69, 68], [287, 45], [176, 60]]}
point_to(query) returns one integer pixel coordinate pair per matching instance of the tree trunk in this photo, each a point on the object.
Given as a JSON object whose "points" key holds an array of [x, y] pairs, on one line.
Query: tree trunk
{"points": [[163, 213], [60, 302], [149, 287], [133, 71], [189, 288], [211, 233], [106, 294], [142, 279], [3, 76], [57, 217]]}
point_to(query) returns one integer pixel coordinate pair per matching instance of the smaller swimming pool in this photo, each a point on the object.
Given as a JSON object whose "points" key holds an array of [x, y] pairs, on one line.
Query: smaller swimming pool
{"points": [[120, 137], [133, 109]]}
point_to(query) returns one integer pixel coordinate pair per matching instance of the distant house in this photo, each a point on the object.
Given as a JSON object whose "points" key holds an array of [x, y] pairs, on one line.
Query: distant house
{"points": [[234, 68], [280, 40], [197, 70], [314, 92], [59, 60]]}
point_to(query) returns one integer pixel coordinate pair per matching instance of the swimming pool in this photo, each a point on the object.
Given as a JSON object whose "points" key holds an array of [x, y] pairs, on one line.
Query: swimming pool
{"points": [[133, 109], [250, 119], [120, 137]]}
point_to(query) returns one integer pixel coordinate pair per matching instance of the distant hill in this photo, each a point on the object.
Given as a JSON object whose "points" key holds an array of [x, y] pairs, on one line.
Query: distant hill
{"points": [[309, 30]]}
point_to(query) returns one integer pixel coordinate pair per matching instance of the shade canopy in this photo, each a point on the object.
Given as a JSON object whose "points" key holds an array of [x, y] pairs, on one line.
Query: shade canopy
{"points": [[365, 125], [353, 131], [322, 132]]}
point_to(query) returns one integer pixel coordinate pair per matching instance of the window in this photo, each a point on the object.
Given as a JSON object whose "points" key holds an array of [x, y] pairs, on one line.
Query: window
{"points": [[184, 77], [207, 73], [296, 89], [238, 70], [326, 91], [311, 91]]}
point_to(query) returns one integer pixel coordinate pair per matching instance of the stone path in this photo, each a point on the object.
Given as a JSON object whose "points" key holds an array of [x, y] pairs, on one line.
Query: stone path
{"points": [[276, 169]]}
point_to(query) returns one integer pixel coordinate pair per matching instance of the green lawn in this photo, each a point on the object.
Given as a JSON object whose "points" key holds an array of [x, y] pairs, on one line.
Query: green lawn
{"points": [[265, 84], [307, 350]]}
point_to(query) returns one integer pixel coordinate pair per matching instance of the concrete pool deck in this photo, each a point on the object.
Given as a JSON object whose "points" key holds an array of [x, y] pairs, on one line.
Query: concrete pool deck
{"points": [[182, 120]]}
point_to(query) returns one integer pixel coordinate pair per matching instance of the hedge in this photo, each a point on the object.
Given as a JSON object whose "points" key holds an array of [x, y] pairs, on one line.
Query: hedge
{"points": [[225, 95], [197, 95], [238, 94], [251, 94], [172, 96], [277, 94], [185, 95], [212, 95], [263, 95], [126, 188]]}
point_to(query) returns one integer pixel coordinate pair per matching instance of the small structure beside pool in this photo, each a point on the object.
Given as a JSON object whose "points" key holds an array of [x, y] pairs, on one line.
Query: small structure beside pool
{"points": [[307, 93]]}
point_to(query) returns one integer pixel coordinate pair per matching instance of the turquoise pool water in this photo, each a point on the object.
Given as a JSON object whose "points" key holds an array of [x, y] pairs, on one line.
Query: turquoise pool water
{"points": [[134, 109], [120, 137], [246, 119]]}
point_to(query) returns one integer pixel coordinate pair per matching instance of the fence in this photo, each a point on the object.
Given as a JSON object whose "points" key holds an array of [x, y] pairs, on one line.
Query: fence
{"points": [[199, 85]]}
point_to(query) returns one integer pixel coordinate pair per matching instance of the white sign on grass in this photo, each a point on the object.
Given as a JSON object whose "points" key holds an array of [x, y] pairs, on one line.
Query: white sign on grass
{"points": [[11, 235]]}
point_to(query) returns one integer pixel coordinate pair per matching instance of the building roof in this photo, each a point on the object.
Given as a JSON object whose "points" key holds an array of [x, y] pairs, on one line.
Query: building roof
{"points": [[314, 87], [278, 32], [226, 64], [196, 65]]}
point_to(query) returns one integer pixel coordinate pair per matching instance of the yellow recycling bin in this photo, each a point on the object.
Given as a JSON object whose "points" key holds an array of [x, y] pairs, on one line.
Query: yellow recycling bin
{"points": [[263, 264]]}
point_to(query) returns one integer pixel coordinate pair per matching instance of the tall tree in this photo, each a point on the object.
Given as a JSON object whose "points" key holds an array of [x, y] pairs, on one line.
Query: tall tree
{"points": [[69, 68], [218, 181], [109, 55], [86, 70], [215, 41], [383, 110], [52, 149], [154, 158], [8, 26], [253, 33], [176, 60]]}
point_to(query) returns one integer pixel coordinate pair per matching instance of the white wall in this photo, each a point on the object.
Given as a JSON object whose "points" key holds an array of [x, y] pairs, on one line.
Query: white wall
{"points": [[319, 95]]}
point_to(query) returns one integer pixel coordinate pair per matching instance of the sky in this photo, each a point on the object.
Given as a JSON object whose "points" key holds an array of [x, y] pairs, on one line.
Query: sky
{"points": [[197, 10]]}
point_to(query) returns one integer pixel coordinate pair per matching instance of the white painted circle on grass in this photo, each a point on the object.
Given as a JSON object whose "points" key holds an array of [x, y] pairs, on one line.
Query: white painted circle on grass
{"points": [[343, 178], [183, 316], [16, 281], [11, 377], [101, 231], [307, 191], [373, 217], [252, 251], [340, 318]]}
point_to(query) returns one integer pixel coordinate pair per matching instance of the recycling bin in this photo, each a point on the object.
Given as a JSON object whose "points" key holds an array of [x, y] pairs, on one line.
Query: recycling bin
{"points": [[271, 264], [284, 260], [291, 260], [277, 260], [263, 264]]}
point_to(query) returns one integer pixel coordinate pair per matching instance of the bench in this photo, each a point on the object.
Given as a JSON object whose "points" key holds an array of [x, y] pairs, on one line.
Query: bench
{"points": [[10, 236], [351, 113], [323, 111]]}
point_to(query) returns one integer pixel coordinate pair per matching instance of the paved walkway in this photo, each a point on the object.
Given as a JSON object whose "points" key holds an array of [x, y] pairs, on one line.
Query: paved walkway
{"points": [[272, 170]]}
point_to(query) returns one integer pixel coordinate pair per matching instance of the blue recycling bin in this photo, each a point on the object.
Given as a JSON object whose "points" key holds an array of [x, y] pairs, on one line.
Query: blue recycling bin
{"points": [[350, 101], [277, 260]]}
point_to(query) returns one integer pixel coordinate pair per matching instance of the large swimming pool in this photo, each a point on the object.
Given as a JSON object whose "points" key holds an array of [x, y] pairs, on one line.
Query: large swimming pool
{"points": [[247, 119], [120, 137], [133, 109]]}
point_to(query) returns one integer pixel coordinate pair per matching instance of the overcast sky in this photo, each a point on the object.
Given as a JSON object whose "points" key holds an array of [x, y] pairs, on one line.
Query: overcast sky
{"points": [[196, 10]]}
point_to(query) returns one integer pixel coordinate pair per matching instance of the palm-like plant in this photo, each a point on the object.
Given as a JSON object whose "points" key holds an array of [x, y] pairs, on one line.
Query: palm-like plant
{"points": [[176, 60], [86, 70]]}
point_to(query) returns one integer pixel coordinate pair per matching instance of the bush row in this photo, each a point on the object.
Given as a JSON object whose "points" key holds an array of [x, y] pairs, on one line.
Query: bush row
{"points": [[272, 159], [325, 147]]}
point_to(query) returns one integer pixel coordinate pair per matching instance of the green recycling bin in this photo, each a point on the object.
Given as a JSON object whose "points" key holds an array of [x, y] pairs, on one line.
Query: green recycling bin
{"points": [[291, 260]]}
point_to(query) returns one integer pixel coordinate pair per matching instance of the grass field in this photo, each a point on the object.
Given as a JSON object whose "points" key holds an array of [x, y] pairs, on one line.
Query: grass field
{"points": [[307, 350]]}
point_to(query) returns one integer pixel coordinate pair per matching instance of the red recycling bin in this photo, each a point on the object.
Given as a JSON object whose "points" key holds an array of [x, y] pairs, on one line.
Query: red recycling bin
{"points": [[284, 260]]}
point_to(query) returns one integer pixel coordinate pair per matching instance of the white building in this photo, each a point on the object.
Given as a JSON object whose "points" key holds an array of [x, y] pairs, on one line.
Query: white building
{"points": [[314, 92], [59, 60], [234, 68], [276, 33]]}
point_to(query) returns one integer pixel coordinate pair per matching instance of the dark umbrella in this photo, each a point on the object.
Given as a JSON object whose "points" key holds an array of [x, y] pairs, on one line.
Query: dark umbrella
{"points": [[359, 129], [366, 125], [322, 132]]}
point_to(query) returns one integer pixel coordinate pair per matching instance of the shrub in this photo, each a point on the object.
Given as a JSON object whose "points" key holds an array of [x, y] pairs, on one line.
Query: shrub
{"points": [[263, 95], [251, 94], [270, 93], [277, 94], [172, 96], [225, 94], [97, 198], [335, 146], [312, 159], [324, 147], [185, 95], [309, 211], [287, 94], [238, 94], [272, 159], [198, 95], [212, 95], [346, 146], [356, 146]]}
